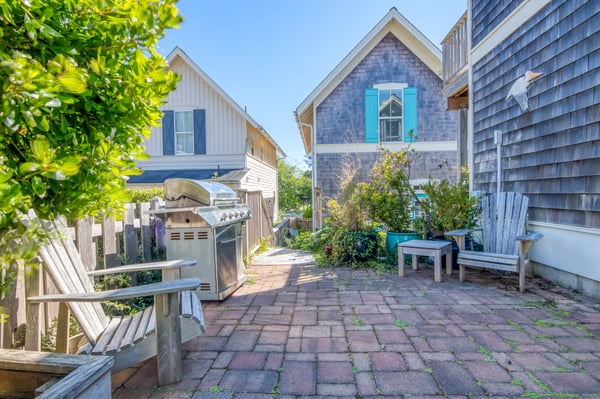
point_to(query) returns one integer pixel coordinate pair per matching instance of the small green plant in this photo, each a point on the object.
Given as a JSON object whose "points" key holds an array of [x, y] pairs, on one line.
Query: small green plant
{"points": [[488, 353], [358, 322], [263, 244], [517, 381], [402, 324], [513, 344]]}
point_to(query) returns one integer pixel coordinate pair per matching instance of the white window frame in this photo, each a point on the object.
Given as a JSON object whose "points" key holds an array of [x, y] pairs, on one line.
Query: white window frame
{"points": [[181, 134], [388, 87]]}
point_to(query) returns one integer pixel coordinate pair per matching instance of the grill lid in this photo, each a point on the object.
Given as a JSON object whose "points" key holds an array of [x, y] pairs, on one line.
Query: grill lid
{"points": [[187, 192]]}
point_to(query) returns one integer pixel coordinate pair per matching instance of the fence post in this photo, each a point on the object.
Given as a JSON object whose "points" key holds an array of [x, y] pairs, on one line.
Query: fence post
{"points": [[110, 243], [159, 225], [146, 232], [85, 243], [129, 237]]}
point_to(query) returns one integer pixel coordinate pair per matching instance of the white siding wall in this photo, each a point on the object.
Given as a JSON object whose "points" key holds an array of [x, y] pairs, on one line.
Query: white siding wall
{"points": [[262, 177], [225, 127]]}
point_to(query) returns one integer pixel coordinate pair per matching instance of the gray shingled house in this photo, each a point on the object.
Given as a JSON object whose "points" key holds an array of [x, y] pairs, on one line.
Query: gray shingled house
{"points": [[389, 85], [550, 152]]}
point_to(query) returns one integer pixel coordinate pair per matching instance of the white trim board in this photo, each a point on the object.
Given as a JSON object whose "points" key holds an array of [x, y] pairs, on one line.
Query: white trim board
{"points": [[572, 249], [375, 147], [510, 24]]}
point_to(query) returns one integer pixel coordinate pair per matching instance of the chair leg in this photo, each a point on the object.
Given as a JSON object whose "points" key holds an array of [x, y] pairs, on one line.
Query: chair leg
{"points": [[168, 330], [521, 276], [461, 274]]}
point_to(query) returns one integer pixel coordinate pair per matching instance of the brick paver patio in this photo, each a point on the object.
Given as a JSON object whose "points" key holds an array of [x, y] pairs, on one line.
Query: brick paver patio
{"points": [[302, 331]]}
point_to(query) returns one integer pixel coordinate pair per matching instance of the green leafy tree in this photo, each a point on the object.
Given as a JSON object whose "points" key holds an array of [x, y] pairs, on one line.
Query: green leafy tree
{"points": [[295, 186], [82, 83]]}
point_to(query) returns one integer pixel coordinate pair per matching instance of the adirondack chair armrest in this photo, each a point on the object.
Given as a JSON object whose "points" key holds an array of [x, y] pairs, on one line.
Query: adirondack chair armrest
{"points": [[165, 287], [461, 232], [531, 236], [165, 265]]}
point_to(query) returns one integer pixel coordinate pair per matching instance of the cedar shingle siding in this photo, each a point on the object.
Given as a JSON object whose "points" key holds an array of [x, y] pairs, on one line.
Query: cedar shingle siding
{"points": [[551, 153], [487, 14], [340, 117]]}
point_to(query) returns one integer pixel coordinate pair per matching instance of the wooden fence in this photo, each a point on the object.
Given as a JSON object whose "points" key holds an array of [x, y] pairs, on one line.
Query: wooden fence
{"points": [[260, 225], [138, 237]]}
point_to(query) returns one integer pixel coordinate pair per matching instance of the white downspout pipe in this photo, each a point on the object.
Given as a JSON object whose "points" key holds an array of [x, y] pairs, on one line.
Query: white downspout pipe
{"points": [[314, 168], [498, 142]]}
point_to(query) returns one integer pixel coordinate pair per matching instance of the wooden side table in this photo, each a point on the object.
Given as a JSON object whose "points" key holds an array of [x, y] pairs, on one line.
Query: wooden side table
{"points": [[426, 248]]}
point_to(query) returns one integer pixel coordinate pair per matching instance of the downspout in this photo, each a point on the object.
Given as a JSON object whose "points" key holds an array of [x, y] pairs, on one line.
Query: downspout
{"points": [[314, 165], [498, 142], [314, 168]]}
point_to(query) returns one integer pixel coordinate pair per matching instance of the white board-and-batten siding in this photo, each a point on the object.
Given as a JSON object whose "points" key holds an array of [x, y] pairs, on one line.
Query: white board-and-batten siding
{"points": [[225, 127], [261, 177]]}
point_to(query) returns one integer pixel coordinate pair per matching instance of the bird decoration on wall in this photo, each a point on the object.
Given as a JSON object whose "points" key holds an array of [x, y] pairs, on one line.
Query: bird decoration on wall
{"points": [[518, 90]]}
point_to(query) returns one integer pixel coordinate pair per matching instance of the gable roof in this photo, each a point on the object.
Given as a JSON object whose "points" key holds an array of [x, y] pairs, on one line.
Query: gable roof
{"points": [[179, 53], [393, 22]]}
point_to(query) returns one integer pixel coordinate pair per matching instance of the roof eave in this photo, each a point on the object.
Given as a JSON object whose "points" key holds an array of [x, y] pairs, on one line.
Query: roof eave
{"points": [[177, 51], [430, 54]]}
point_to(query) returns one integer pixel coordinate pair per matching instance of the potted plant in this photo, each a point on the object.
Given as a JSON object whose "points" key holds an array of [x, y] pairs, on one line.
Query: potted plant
{"points": [[389, 199], [447, 207]]}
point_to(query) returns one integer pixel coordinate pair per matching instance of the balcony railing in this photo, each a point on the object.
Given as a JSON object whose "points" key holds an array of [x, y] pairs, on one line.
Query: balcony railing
{"points": [[455, 50]]}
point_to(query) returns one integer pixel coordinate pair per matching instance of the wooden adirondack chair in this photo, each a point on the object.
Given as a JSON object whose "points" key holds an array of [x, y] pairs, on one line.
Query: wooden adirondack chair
{"points": [[506, 243], [157, 331]]}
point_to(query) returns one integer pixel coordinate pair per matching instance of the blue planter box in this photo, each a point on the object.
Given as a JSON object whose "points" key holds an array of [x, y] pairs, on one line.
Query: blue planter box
{"points": [[392, 240]]}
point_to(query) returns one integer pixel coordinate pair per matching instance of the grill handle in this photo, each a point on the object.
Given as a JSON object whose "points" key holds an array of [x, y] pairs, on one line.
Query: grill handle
{"points": [[226, 241]]}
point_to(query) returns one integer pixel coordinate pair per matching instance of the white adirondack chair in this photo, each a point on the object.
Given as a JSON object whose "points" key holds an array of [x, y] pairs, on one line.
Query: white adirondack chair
{"points": [[506, 242], [157, 331]]}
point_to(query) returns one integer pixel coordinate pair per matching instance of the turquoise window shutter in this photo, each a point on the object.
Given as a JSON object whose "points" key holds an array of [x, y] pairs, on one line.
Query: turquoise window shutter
{"points": [[199, 131], [371, 116], [410, 114], [168, 133]]}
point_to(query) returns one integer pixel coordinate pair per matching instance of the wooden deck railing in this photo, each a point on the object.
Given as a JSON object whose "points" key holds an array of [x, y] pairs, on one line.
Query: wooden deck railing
{"points": [[455, 50]]}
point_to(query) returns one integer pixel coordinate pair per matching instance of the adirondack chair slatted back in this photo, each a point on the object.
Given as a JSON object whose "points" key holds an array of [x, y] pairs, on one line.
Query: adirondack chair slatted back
{"points": [[67, 272], [504, 216]]}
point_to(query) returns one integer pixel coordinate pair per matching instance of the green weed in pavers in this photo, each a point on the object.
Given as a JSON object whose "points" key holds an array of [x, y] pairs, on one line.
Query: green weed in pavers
{"points": [[402, 324]]}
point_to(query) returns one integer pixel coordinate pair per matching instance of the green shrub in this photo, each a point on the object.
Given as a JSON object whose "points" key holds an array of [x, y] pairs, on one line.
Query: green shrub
{"points": [[447, 207], [138, 195], [308, 212], [354, 248]]}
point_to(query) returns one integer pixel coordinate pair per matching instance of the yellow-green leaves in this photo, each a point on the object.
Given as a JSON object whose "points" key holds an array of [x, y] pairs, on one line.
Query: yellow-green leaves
{"points": [[82, 83], [73, 82], [40, 148], [45, 163]]}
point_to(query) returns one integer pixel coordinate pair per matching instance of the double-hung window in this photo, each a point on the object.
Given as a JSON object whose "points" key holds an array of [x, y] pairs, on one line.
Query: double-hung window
{"points": [[184, 133], [390, 113]]}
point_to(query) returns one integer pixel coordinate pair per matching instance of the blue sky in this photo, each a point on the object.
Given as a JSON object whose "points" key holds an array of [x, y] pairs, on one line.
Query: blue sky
{"points": [[268, 55]]}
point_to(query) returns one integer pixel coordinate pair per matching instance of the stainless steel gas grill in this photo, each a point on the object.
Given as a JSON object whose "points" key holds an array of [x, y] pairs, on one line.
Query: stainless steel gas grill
{"points": [[203, 220]]}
